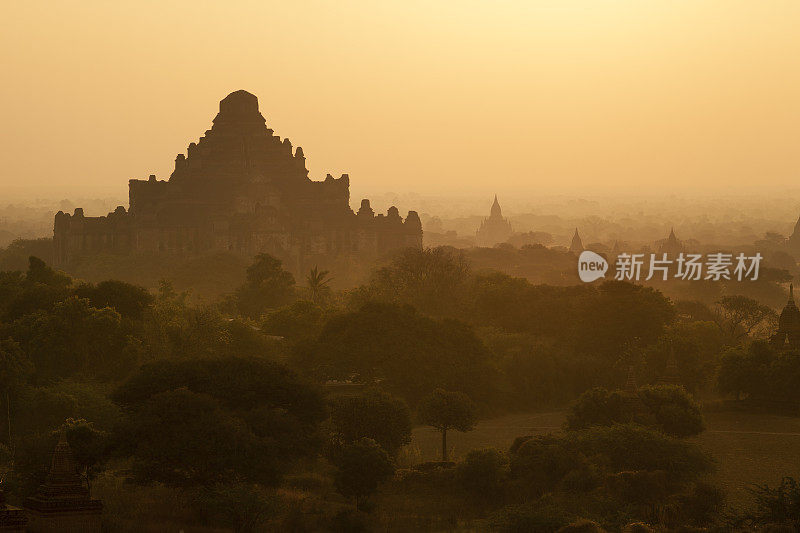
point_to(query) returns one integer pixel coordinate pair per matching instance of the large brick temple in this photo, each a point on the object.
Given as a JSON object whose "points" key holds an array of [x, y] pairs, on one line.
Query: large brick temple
{"points": [[240, 188]]}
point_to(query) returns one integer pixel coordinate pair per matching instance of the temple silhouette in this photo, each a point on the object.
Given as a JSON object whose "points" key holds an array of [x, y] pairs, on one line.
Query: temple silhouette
{"points": [[242, 189], [788, 333], [495, 229]]}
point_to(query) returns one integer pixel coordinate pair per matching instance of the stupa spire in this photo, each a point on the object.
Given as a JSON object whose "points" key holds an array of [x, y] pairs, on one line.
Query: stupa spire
{"points": [[496, 211]]}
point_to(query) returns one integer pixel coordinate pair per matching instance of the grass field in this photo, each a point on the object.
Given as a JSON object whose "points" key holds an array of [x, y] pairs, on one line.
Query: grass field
{"points": [[747, 447]]}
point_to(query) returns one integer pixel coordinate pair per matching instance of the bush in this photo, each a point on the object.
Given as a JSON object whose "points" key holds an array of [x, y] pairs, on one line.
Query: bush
{"points": [[361, 468], [375, 415], [482, 472], [675, 411], [667, 407]]}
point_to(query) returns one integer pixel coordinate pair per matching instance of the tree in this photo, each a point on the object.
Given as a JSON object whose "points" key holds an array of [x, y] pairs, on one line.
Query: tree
{"points": [[300, 321], [675, 411], [482, 471], [75, 338], [39, 272], [267, 286], [668, 407], [361, 467], [317, 281], [597, 407], [446, 410], [127, 299], [740, 316], [375, 415], [15, 369], [272, 416], [88, 444], [410, 354], [182, 438], [432, 279], [761, 373]]}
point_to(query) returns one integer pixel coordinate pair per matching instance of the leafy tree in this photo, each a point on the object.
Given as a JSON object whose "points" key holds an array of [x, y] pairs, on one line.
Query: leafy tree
{"points": [[270, 411], [127, 299], [675, 411], [601, 320], [740, 316], [39, 272], [546, 463], [762, 374], [375, 415], [446, 410], [66, 399], [540, 463], [206, 444], [360, 468], [298, 322], [17, 255], [482, 472], [432, 280], [668, 407], [267, 286], [75, 338], [88, 444], [408, 353], [693, 346], [40, 290], [239, 383], [318, 284], [631, 447]]}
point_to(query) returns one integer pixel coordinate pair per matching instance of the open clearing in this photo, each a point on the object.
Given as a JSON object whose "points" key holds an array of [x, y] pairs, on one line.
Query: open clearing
{"points": [[747, 447]]}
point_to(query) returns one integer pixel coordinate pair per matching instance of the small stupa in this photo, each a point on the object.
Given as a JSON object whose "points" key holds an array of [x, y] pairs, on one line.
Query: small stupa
{"points": [[62, 503]]}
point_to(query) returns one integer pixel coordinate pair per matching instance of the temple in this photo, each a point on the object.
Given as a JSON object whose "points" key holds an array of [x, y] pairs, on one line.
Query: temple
{"points": [[494, 229], [576, 246], [242, 189], [788, 334], [62, 504], [671, 245]]}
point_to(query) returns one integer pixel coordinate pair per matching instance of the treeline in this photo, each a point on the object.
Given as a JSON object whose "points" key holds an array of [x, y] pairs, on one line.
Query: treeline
{"points": [[244, 386]]}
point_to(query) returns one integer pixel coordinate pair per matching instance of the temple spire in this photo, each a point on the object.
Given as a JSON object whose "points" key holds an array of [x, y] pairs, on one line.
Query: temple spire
{"points": [[496, 211], [576, 246]]}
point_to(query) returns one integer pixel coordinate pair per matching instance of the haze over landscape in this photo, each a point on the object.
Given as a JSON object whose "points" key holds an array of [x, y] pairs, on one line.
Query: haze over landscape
{"points": [[343, 267], [513, 97]]}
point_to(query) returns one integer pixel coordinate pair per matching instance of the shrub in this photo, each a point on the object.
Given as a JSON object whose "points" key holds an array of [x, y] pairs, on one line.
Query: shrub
{"points": [[482, 472]]}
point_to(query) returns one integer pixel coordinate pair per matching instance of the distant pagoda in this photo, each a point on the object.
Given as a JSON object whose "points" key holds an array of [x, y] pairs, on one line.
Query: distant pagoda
{"points": [[671, 245], [788, 334], [576, 246], [62, 504], [494, 229]]}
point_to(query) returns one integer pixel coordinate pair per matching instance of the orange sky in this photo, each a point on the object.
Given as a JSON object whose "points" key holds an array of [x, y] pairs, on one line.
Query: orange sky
{"points": [[432, 96]]}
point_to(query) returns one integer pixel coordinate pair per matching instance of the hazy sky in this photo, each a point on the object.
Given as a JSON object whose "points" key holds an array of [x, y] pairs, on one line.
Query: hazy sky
{"points": [[433, 96]]}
